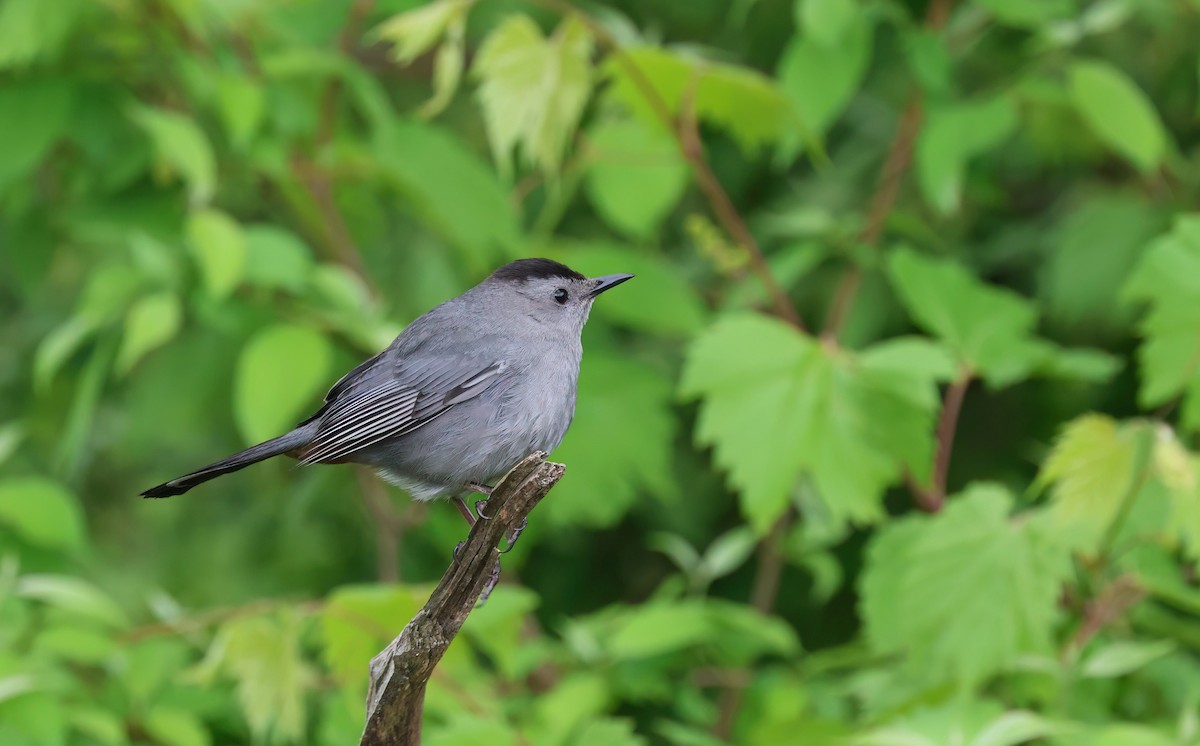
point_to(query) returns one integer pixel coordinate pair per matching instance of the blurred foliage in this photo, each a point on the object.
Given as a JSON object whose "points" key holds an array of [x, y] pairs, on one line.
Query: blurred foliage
{"points": [[984, 211]]}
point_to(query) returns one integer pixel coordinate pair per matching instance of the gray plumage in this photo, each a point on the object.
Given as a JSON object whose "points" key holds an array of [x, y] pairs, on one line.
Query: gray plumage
{"points": [[464, 393]]}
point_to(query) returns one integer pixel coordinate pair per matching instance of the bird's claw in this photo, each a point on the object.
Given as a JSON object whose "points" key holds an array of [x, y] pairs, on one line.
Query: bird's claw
{"points": [[479, 506], [513, 534], [493, 578], [458, 548]]}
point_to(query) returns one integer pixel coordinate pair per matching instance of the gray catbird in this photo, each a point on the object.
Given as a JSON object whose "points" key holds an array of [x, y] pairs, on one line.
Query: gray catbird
{"points": [[464, 393]]}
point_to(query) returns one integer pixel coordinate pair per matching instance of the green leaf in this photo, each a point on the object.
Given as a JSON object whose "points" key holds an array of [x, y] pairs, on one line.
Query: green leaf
{"points": [[25, 140], [72, 595], [964, 593], [41, 512], [533, 89], [1178, 471], [659, 299], [278, 373], [172, 726], [452, 189], [241, 103], [614, 391], [989, 329], [1091, 469], [1118, 112], [777, 404], [607, 732], [1168, 279], [151, 322], [470, 730], [951, 136], [357, 621], [182, 148], [1124, 657], [276, 258], [635, 175], [33, 30], [448, 66], [829, 21], [821, 78], [969, 722], [498, 627], [744, 103], [220, 249]]}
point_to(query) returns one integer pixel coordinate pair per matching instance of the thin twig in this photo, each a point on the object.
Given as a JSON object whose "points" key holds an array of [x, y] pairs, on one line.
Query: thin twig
{"points": [[389, 529], [887, 188], [401, 671], [1108, 606], [932, 500]]}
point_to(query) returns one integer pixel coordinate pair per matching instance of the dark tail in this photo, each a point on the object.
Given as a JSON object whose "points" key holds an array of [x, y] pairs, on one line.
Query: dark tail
{"points": [[252, 455]]}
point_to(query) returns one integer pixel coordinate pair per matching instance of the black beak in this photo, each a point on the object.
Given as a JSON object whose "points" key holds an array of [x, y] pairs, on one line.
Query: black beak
{"points": [[607, 282]]}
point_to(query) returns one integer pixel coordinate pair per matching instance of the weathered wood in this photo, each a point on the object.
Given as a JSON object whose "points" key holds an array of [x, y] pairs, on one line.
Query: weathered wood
{"points": [[400, 672]]}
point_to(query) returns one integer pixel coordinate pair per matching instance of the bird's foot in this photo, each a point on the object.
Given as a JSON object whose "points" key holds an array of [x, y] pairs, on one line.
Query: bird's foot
{"points": [[479, 506], [489, 585], [514, 533], [458, 548], [482, 489]]}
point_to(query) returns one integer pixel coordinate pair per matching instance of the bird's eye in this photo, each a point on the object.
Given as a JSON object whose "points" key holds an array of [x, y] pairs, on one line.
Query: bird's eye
{"points": [[561, 295]]}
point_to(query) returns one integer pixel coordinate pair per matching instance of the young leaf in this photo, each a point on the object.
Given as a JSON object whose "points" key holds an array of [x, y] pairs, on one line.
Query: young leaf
{"points": [[533, 89], [220, 250], [1124, 657], [41, 512], [951, 136], [1168, 279], [182, 147], [776, 404], [415, 32], [1091, 469], [635, 175], [963, 593], [1119, 112], [150, 323], [72, 595], [279, 372]]}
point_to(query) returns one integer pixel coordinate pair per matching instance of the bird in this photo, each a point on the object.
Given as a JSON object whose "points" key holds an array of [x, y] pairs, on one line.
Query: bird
{"points": [[465, 392]]}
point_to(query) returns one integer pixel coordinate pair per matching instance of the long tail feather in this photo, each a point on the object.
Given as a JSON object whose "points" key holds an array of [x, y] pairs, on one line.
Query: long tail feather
{"points": [[252, 455]]}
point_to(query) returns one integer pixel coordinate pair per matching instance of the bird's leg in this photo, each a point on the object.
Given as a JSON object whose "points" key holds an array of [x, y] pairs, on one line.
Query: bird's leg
{"points": [[491, 583], [462, 508], [514, 533]]}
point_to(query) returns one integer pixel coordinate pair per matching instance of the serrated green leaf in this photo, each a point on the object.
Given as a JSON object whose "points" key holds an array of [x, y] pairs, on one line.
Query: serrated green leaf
{"points": [[988, 328], [1091, 470], [217, 242], [1168, 279], [151, 322], [72, 595], [635, 175], [951, 136], [1118, 112], [776, 404], [1178, 471], [41, 512], [45, 109], [746, 104], [448, 66], [1124, 657], [964, 593], [658, 299], [614, 391], [533, 89], [182, 148], [278, 373]]}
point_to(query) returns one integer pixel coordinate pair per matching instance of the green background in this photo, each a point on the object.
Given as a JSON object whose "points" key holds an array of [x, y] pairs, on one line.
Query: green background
{"points": [[892, 441]]}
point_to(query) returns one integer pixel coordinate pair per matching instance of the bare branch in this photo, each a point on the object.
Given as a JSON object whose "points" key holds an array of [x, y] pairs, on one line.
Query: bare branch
{"points": [[400, 672]]}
